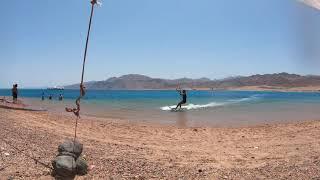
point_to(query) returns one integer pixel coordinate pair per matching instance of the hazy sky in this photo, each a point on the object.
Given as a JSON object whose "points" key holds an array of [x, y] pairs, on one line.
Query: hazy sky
{"points": [[42, 41]]}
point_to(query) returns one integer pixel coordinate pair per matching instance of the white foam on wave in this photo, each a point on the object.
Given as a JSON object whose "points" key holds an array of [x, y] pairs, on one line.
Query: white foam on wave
{"points": [[212, 104], [193, 106], [251, 98]]}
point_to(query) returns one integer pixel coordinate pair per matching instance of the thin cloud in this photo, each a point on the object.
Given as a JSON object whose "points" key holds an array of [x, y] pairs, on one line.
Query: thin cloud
{"points": [[312, 3]]}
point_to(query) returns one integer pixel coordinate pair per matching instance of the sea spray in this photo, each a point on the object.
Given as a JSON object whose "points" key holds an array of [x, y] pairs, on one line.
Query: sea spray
{"points": [[193, 106], [212, 104], [251, 98]]}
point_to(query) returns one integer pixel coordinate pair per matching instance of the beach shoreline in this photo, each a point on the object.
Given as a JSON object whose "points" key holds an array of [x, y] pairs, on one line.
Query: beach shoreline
{"points": [[127, 150], [204, 109]]}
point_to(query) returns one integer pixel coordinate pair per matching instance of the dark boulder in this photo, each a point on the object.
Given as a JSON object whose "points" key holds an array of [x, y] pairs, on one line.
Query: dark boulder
{"points": [[82, 166], [70, 147], [64, 166], [69, 162]]}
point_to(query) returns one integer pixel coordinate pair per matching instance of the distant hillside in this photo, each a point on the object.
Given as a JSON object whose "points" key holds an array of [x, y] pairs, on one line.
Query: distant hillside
{"points": [[136, 81]]}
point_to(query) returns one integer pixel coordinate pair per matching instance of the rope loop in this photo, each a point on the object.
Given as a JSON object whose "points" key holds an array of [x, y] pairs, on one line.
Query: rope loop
{"points": [[76, 111]]}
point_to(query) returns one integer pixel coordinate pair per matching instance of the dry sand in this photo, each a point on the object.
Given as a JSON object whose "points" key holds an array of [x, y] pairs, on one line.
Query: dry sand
{"points": [[122, 150]]}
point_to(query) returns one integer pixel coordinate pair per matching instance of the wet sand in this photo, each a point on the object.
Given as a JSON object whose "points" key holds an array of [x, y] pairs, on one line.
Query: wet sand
{"points": [[123, 150]]}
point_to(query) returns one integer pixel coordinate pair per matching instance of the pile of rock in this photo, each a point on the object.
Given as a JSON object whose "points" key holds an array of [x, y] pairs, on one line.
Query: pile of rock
{"points": [[69, 161]]}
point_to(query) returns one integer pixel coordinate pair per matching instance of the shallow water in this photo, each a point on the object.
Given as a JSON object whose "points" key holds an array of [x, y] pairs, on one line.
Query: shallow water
{"points": [[204, 108]]}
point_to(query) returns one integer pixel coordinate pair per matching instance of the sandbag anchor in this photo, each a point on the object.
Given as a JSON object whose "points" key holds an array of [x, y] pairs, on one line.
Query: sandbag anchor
{"points": [[69, 162]]}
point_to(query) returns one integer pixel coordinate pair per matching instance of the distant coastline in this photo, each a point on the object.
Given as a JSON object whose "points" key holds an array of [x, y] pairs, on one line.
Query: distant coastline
{"points": [[245, 88], [279, 82], [267, 82]]}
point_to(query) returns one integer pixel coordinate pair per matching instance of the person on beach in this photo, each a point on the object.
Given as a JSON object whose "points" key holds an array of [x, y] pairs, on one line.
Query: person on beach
{"points": [[42, 97], [50, 97], [15, 93], [183, 94]]}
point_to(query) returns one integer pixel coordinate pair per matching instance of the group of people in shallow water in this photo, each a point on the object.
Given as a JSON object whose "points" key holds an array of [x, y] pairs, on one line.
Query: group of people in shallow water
{"points": [[50, 97], [183, 94], [14, 92]]}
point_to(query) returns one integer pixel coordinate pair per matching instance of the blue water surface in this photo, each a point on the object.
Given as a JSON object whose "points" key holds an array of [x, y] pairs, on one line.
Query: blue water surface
{"points": [[203, 107]]}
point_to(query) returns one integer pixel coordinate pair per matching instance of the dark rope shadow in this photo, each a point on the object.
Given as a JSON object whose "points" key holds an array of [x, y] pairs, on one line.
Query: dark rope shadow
{"points": [[37, 161]]}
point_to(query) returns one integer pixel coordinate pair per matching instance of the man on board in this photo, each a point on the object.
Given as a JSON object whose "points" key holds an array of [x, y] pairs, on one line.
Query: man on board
{"points": [[183, 94]]}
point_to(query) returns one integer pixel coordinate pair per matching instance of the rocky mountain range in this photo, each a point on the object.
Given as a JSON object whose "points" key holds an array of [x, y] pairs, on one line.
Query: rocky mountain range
{"points": [[138, 82]]}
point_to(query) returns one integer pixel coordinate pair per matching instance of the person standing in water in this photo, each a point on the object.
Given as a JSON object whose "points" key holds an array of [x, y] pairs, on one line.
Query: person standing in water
{"points": [[60, 97], [15, 93], [183, 94]]}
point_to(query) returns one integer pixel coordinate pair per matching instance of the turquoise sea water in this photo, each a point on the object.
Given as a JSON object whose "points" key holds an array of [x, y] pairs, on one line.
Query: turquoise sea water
{"points": [[204, 108]]}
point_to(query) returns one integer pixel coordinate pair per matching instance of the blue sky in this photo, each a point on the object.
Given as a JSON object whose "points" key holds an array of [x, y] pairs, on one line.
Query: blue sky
{"points": [[42, 42]]}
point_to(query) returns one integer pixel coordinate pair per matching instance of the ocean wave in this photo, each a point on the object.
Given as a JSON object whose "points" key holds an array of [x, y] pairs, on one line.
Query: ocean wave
{"points": [[193, 106]]}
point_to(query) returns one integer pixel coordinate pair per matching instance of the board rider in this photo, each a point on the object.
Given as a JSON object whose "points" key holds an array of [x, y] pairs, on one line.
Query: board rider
{"points": [[183, 94]]}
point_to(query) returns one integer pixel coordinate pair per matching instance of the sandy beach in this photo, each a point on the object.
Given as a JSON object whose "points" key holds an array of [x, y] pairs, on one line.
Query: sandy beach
{"points": [[173, 90], [122, 150]]}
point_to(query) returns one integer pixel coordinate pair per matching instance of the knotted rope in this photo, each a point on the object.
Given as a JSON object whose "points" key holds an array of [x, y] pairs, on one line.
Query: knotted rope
{"points": [[76, 111]]}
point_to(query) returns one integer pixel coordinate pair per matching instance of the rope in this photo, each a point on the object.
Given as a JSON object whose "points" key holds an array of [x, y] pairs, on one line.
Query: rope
{"points": [[31, 157], [76, 111], [36, 160], [4, 100]]}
